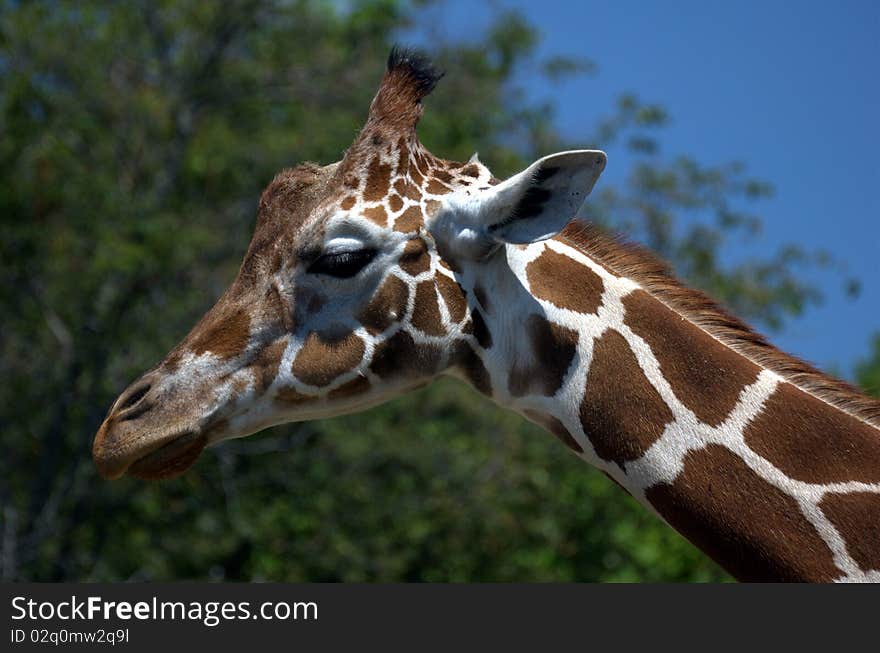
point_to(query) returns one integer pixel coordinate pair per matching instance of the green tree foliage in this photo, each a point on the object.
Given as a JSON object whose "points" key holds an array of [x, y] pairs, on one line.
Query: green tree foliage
{"points": [[134, 140], [868, 371]]}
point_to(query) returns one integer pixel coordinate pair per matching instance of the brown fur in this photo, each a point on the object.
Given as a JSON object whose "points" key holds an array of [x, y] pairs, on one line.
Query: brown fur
{"points": [[415, 258], [435, 187], [706, 376], [811, 441], [284, 206], [553, 348], [378, 215], [562, 281], [481, 331], [856, 516], [322, 359], [358, 386], [400, 356], [266, 364], [752, 529], [416, 177], [432, 207], [408, 221], [426, 311], [386, 306], [378, 181], [621, 412], [470, 363], [224, 335], [453, 295], [555, 427], [407, 189], [482, 297], [291, 396], [654, 275]]}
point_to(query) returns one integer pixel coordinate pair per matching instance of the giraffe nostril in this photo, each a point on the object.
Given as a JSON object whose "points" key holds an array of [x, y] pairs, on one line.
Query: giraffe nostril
{"points": [[135, 395]]}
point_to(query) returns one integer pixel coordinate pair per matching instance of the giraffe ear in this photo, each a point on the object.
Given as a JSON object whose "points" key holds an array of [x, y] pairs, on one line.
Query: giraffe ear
{"points": [[537, 203]]}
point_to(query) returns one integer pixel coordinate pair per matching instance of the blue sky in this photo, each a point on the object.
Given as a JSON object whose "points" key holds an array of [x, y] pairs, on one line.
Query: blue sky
{"points": [[791, 89]]}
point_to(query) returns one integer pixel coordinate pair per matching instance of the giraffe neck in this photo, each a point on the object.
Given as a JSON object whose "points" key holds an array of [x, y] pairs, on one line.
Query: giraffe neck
{"points": [[752, 464]]}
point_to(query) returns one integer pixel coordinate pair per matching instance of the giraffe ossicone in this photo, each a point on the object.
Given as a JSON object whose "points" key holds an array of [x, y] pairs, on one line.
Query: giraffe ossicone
{"points": [[372, 276]]}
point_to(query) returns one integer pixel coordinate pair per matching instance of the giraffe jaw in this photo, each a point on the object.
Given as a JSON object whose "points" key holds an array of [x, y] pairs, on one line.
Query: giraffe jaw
{"points": [[168, 456], [170, 460]]}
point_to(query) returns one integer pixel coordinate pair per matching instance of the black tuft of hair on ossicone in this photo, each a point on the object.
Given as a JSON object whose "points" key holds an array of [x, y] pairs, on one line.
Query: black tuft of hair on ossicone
{"points": [[416, 66]]}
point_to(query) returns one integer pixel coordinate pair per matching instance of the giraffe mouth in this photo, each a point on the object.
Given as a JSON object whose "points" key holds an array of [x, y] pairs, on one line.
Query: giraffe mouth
{"points": [[170, 460]]}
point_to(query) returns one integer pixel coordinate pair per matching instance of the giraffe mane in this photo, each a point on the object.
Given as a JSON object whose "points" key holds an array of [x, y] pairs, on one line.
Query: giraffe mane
{"points": [[627, 259]]}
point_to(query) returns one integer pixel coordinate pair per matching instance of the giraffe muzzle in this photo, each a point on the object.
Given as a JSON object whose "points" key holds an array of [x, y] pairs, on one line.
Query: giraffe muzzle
{"points": [[147, 433], [171, 459]]}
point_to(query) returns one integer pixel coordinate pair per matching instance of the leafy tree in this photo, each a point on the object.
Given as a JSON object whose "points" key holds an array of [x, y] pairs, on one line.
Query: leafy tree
{"points": [[868, 371], [135, 140]]}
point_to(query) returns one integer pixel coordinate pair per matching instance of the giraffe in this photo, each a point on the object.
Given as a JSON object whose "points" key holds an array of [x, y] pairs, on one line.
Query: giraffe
{"points": [[375, 275]]}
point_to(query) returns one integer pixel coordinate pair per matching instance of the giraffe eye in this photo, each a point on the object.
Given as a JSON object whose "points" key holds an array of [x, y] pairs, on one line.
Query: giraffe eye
{"points": [[342, 264]]}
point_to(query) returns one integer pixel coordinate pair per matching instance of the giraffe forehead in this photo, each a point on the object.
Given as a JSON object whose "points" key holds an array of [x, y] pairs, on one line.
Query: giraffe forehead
{"points": [[395, 189]]}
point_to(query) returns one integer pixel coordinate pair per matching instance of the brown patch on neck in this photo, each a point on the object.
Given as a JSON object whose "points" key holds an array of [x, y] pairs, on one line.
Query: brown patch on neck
{"points": [[553, 350], [555, 427], [706, 376], [481, 331], [856, 516], [814, 442], [564, 282], [322, 358], [751, 528], [482, 297], [466, 359], [621, 413], [224, 335], [633, 262]]}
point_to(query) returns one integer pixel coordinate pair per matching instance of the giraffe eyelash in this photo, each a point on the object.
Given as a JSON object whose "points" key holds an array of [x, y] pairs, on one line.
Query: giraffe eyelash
{"points": [[342, 265]]}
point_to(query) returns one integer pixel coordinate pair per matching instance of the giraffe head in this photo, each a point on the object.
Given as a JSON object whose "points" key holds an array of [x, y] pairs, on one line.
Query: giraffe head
{"points": [[349, 293]]}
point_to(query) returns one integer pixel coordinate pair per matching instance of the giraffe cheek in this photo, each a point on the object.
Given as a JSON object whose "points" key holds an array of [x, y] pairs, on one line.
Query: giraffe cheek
{"points": [[453, 295], [323, 359], [354, 388], [386, 307], [399, 356], [306, 304], [266, 365], [426, 311], [415, 259]]}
